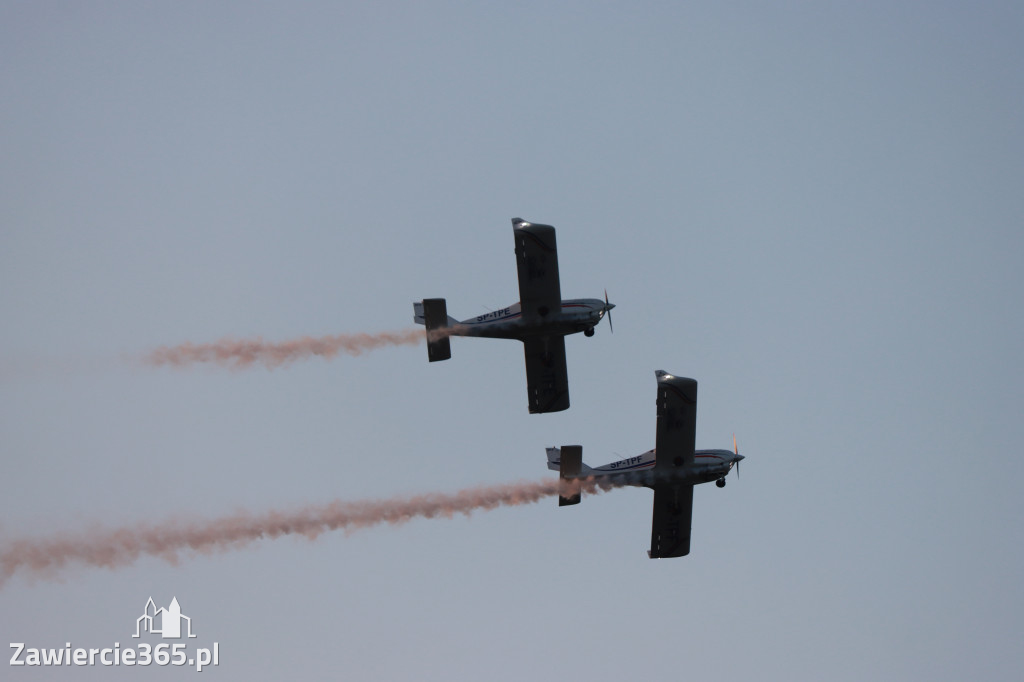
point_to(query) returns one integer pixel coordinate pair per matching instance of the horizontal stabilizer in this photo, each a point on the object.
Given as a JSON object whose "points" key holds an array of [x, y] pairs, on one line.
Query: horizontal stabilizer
{"points": [[571, 463], [435, 316]]}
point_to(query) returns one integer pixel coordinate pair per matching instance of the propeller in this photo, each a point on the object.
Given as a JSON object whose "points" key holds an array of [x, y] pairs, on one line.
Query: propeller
{"points": [[736, 451], [608, 309]]}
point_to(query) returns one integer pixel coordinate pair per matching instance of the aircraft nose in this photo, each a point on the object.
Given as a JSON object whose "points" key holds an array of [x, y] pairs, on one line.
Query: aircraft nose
{"points": [[738, 457]]}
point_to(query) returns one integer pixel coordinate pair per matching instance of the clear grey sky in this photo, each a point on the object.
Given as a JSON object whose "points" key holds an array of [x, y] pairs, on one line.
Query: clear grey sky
{"points": [[814, 209]]}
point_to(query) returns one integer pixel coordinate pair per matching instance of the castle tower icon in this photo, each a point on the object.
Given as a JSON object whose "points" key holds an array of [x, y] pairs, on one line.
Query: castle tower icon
{"points": [[169, 620]]}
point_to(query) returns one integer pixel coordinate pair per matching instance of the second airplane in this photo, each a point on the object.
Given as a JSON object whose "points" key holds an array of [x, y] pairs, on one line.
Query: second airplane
{"points": [[541, 319]]}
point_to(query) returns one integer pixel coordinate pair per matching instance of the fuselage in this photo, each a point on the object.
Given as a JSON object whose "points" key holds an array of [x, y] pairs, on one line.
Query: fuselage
{"points": [[708, 465], [576, 315]]}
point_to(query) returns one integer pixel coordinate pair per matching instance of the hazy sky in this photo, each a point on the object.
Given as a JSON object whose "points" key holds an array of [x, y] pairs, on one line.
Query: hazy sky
{"points": [[814, 209]]}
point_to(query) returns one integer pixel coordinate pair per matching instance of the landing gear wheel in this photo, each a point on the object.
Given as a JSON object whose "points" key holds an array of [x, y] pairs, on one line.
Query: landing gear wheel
{"points": [[720, 483], [588, 332]]}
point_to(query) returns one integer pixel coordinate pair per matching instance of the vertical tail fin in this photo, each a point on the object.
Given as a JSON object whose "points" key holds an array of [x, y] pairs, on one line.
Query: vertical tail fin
{"points": [[571, 461], [554, 458]]}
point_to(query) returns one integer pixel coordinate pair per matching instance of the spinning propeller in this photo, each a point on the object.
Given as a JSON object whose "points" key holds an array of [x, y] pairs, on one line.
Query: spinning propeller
{"points": [[608, 310], [736, 451]]}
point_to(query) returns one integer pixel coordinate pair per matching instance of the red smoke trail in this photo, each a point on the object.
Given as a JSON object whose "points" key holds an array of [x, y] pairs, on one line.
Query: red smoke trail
{"points": [[240, 354], [113, 548]]}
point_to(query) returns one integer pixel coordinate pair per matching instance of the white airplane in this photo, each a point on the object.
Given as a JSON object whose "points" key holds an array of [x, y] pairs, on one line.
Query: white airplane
{"points": [[671, 469], [541, 319]]}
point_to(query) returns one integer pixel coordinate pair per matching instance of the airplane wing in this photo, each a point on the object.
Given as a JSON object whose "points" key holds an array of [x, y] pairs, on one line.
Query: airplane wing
{"points": [[677, 424], [537, 260], [674, 450], [547, 379], [670, 527]]}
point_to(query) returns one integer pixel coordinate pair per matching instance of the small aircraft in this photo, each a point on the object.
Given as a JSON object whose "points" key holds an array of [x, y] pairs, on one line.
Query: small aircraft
{"points": [[541, 319], [671, 469]]}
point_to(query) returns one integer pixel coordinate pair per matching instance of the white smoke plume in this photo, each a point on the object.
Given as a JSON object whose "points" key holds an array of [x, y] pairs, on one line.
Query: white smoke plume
{"points": [[171, 539]]}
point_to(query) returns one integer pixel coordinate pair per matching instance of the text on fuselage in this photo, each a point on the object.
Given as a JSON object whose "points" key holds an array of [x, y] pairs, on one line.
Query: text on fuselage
{"points": [[495, 315]]}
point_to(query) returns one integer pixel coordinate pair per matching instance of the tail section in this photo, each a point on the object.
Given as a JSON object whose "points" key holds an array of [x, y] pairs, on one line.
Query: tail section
{"points": [[569, 466], [419, 316], [554, 458], [433, 313]]}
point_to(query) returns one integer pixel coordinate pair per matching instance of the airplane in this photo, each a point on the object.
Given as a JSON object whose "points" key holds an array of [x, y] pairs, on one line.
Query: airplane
{"points": [[541, 319], [671, 469]]}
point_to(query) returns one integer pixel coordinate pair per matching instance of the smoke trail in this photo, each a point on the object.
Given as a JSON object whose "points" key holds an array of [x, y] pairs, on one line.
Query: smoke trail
{"points": [[113, 548], [239, 354]]}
